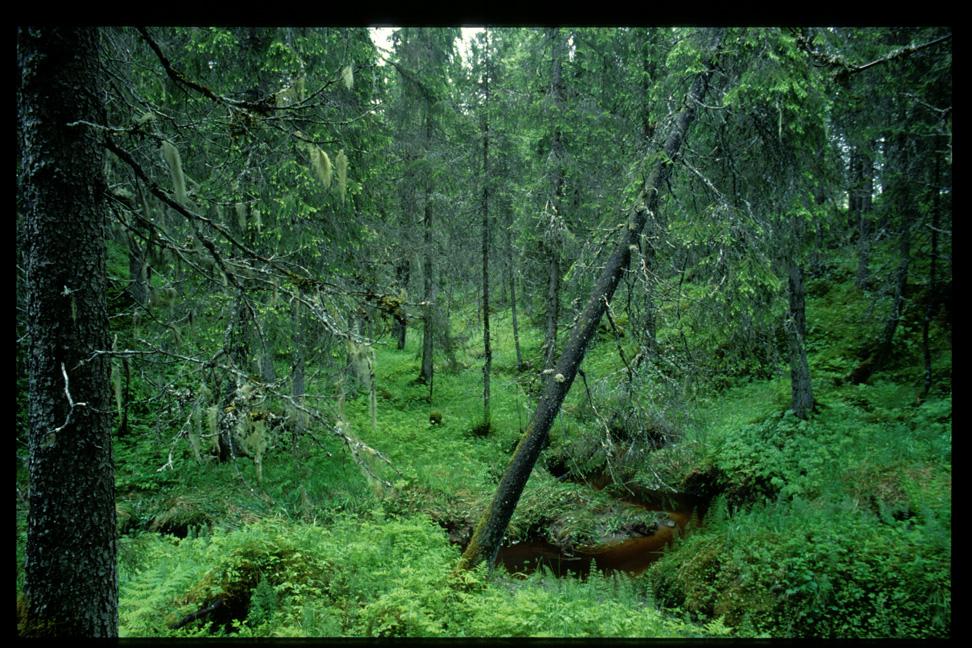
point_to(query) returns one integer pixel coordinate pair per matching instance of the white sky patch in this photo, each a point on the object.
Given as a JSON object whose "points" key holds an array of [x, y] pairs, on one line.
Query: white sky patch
{"points": [[381, 37]]}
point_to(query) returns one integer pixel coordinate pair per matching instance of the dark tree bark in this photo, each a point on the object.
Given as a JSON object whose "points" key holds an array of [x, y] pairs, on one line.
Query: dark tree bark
{"points": [[488, 534], [796, 327], [71, 585]]}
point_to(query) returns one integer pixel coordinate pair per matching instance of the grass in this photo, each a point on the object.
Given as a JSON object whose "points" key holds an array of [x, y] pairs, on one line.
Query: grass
{"points": [[836, 526]]}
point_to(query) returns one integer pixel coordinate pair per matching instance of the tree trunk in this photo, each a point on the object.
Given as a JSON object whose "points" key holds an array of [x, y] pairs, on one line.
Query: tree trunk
{"points": [[862, 188], [402, 271], [512, 281], [425, 377], [428, 304], [268, 373], [487, 351], [488, 534], [138, 259], [297, 369], [71, 585], [126, 396], [552, 236], [932, 299], [553, 309], [800, 388], [902, 198]]}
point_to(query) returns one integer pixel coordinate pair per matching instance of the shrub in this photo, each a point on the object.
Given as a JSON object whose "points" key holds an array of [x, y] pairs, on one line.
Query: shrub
{"points": [[805, 569]]}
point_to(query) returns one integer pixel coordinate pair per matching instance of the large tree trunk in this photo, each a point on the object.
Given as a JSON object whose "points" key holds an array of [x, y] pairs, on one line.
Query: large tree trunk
{"points": [[488, 535], [71, 582]]}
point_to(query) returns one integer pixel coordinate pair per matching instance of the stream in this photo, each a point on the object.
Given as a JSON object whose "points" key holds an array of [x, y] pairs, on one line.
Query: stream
{"points": [[631, 555]]}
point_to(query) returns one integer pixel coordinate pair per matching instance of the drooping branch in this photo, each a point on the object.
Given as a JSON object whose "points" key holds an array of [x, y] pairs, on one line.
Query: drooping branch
{"points": [[263, 107], [843, 69]]}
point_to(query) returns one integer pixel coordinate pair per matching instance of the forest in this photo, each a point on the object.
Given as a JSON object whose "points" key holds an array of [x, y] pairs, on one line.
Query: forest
{"points": [[484, 332]]}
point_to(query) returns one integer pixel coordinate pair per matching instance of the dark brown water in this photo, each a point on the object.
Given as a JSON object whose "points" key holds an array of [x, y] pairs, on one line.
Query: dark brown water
{"points": [[632, 555]]}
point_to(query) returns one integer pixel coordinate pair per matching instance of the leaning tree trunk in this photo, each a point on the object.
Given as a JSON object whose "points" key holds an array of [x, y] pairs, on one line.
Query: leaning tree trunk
{"points": [[71, 585], [488, 535]]}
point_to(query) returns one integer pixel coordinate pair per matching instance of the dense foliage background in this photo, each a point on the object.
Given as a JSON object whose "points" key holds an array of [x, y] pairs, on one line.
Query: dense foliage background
{"points": [[310, 233]]}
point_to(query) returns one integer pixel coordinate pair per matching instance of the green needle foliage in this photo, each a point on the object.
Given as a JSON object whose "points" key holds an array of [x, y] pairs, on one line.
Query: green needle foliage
{"points": [[282, 473]]}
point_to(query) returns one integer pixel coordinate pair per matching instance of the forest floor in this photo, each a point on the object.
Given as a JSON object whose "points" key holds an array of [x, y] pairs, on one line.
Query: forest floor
{"points": [[836, 526]]}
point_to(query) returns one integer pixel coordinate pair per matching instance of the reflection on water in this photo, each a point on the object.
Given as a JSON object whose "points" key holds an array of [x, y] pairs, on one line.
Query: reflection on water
{"points": [[632, 555]]}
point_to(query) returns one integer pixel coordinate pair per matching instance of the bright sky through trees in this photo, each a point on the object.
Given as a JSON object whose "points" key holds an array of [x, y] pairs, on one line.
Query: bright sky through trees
{"points": [[381, 37]]}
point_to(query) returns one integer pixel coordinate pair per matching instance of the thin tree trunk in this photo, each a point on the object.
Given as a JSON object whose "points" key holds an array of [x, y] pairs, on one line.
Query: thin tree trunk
{"points": [[904, 203], [71, 585], [297, 370], [426, 375], [488, 534], [126, 395], [402, 271], [138, 260], [552, 236], [932, 298], [487, 351], [512, 281], [862, 174], [800, 387], [268, 373]]}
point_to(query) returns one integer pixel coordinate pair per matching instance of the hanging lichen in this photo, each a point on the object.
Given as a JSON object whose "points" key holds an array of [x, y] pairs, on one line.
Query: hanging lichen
{"points": [[172, 158], [241, 216], [257, 219], [341, 163], [322, 165], [254, 442], [347, 76]]}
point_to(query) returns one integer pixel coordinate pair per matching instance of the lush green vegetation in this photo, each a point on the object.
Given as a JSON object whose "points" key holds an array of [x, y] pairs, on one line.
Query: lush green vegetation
{"points": [[288, 464], [836, 526]]}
